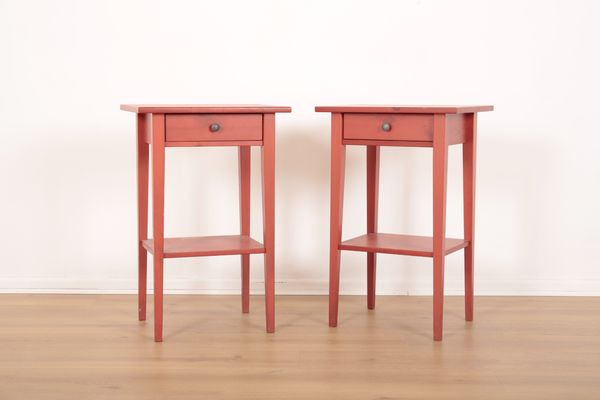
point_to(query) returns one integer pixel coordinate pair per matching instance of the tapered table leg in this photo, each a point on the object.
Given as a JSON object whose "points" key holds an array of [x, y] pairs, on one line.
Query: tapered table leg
{"points": [[372, 206], [440, 163], [268, 178], [469, 158], [142, 194], [338, 157], [244, 175], [158, 204]]}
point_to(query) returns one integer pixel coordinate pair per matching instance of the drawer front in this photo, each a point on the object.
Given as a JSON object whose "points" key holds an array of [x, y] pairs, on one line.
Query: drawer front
{"points": [[414, 127], [213, 127]]}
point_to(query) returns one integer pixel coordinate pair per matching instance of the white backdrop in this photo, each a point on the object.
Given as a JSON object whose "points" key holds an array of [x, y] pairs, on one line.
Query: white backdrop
{"points": [[67, 157]]}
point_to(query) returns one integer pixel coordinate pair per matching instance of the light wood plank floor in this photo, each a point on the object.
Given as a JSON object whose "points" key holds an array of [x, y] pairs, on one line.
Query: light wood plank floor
{"points": [[93, 347]]}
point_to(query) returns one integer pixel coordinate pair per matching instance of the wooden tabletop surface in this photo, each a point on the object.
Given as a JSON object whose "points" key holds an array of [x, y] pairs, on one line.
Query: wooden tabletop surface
{"points": [[407, 109], [204, 108]]}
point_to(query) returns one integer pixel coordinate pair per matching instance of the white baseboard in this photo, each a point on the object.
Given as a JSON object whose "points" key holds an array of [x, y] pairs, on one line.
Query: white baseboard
{"points": [[545, 287]]}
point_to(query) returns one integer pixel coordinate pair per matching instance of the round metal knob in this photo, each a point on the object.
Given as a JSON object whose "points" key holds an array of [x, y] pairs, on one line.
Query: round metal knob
{"points": [[215, 127], [386, 126]]}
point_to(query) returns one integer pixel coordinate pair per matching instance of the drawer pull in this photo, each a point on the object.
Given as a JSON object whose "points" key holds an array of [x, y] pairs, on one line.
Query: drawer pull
{"points": [[215, 128], [386, 126]]}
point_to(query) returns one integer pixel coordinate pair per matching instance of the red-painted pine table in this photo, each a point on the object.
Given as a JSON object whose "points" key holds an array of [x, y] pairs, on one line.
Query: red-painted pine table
{"points": [[162, 126], [411, 126]]}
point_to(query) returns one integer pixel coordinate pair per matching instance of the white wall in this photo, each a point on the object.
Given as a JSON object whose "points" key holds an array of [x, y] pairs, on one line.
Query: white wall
{"points": [[67, 158]]}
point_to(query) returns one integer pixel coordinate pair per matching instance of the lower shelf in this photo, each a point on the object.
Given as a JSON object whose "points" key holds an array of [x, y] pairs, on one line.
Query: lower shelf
{"points": [[207, 246], [409, 245]]}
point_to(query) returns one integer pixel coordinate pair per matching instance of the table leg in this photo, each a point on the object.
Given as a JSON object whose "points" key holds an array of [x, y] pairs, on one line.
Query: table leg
{"points": [[244, 175], [469, 158], [338, 158], [372, 206], [158, 203], [268, 184], [440, 166], [142, 194]]}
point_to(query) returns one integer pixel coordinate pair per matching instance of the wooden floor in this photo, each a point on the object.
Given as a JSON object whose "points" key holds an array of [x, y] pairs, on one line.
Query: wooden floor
{"points": [[92, 347]]}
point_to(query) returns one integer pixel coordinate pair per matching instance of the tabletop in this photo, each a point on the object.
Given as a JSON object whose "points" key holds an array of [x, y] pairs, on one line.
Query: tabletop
{"points": [[407, 109], [204, 108]]}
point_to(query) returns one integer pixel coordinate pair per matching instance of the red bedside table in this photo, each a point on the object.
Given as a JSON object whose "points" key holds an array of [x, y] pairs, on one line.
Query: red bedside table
{"points": [[412, 126], [204, 125]]}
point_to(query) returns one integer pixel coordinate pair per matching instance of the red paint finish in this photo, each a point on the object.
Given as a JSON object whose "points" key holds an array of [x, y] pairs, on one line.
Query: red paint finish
{"points": [[440, 164], [207, 246], [469, 158], [244, 175], [395, 143], [142, 193], [407, 245], [161, 126], [437, 127], [215, 143], [158, 213], [197, 127], [338, 161], [372, 206], [402, 127], [268, 186], [404, 109], [204, 108]]}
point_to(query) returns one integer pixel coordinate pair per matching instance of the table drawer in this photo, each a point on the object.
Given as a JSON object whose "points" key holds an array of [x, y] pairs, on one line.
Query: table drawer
{"points": [[413, 127], [213, 127]]}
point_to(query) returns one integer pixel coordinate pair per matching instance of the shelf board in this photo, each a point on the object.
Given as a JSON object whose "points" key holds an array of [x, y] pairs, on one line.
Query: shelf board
{"points": [[207, 246], [410, 245]]}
